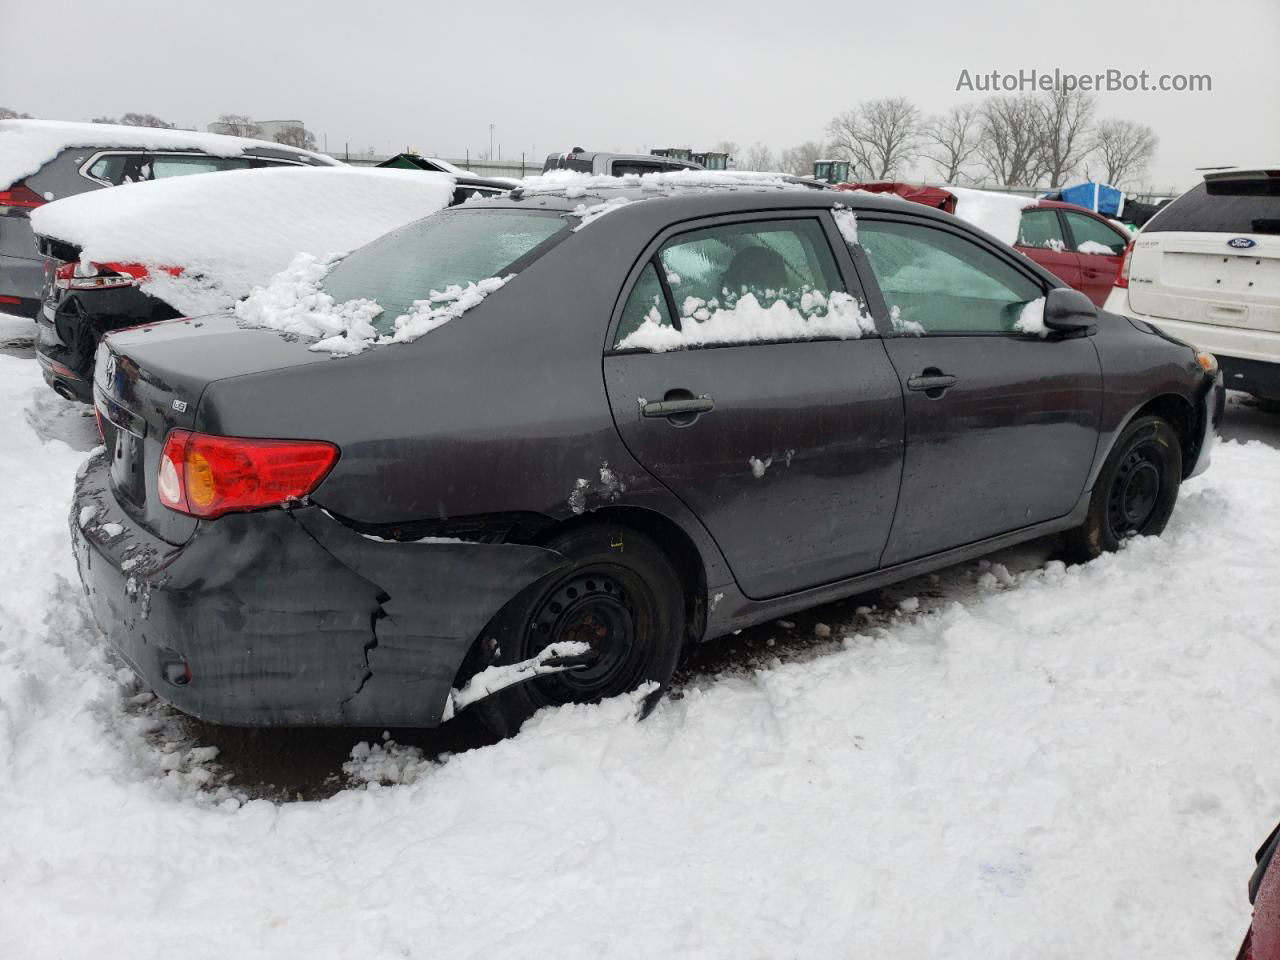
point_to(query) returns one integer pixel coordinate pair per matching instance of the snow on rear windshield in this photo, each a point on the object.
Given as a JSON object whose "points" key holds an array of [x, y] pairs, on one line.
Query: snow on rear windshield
{"points": [[454, 248]]}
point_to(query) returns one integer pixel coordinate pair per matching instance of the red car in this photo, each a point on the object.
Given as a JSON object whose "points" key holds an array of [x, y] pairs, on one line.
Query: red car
{"points": [[1082, 248], [1262, 942], [1079, 246]]}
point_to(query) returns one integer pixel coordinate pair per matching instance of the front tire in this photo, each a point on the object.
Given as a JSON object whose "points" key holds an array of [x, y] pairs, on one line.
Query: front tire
{"points": [[1135, 491], [620, 594]]}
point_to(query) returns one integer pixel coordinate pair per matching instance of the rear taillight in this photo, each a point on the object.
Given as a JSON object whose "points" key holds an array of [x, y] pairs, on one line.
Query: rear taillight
{"points": [[98, 276], [207, 476], [1122, 278], [16, 201]]}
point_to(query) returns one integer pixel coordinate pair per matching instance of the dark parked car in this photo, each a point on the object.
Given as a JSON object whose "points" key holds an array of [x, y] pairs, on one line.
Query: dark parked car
{"points": [[1262, 942], [274, 536], [80, 304], [75, 158]]}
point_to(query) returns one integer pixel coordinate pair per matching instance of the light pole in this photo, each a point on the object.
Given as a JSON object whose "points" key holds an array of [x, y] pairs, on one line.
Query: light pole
{"points": [[491, 142]]}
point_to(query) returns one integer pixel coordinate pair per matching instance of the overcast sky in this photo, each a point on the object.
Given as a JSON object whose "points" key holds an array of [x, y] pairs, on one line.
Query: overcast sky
{"points": [[391, 74]]}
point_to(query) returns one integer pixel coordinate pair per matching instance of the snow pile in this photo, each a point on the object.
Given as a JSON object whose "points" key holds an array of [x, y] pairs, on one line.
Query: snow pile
{"points": [[847, 222], [294, 301], [745, 319], [1068, 762], [15, 330], [1093, 246], [232, 231], [1031, 318], [1000, 214], [587, 214], [27, 145], [574, 184]]}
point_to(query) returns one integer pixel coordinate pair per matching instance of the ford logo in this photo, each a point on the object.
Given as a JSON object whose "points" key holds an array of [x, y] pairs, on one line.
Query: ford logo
{"points": [[1241, 243]]}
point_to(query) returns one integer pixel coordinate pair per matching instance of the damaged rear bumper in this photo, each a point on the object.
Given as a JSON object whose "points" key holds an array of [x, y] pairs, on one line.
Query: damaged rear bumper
{"points": [[290, 617]]}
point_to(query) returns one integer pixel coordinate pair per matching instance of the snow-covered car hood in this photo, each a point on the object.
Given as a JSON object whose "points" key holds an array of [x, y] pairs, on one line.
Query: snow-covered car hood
{"points": [[232, 231]]}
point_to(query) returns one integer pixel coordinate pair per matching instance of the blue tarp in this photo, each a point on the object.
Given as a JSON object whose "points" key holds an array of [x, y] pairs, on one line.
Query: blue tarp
{"points": [[1098, 197]]}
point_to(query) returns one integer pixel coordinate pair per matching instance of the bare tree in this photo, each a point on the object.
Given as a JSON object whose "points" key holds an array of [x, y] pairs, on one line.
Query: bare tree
{"points": [[297, 136], [798, 161], [1123, 149], [145, 120], [1010, 145], [7, 114], [137, 120], [879, 137], [951, 140], [758, 157], [1066, 132], [239, 125]]}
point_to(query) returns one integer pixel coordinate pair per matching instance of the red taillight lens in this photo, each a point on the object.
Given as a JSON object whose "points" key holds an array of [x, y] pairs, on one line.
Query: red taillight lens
{"points": [[99, 276], [19, 199], [207, 476], [1122, 278]]}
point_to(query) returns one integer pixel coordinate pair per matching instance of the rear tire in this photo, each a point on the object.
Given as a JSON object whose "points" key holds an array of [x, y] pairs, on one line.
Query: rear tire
{"points": [[1135, 490], [620, 594]]}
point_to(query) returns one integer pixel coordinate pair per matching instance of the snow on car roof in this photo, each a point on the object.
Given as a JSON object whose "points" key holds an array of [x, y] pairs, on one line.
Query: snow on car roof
{"points": [[27, 145], [234, 230], [1000, 214], [572, 184]]}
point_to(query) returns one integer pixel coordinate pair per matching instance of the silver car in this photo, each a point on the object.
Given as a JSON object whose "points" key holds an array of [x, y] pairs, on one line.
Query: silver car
{"points": [[43, 160]]}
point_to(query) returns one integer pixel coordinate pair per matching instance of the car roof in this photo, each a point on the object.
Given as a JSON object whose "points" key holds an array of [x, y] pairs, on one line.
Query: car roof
{"points": [[701, 194]]}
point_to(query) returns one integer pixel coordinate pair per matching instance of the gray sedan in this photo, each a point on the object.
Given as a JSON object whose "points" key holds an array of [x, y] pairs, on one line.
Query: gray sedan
{"points": [[710, 407]]}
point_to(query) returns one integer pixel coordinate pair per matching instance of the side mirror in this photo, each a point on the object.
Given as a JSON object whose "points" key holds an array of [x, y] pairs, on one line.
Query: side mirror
{"points": [[1069, 311]]}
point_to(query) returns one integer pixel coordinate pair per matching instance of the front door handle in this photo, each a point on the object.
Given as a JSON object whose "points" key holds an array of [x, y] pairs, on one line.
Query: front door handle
{"points": [[678, 408], [931, 380]]}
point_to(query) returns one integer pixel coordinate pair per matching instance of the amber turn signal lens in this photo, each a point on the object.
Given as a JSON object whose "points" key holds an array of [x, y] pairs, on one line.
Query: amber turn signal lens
{"points": [[1208, 361]]}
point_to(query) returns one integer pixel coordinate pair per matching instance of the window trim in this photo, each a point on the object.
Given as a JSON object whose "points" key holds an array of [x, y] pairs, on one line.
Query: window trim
{"points": [[850, 279], [1020, 263], [83, 169]]}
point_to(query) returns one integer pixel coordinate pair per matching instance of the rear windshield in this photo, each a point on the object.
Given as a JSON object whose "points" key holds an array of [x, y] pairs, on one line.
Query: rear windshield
{"points": [[429, 255], [1223, 206]]}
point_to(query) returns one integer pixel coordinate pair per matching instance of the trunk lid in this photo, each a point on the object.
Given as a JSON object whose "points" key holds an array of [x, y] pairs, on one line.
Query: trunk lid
{"points": [[1213, 255], [149, 380]]}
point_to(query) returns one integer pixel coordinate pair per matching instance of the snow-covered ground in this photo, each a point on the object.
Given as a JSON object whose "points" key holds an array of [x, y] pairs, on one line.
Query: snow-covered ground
{"points": [[1052, 762], [16, 331]]}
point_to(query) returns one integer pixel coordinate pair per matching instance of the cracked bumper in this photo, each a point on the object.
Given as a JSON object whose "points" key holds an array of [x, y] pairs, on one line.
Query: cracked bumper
{"points": [[283, 618]]}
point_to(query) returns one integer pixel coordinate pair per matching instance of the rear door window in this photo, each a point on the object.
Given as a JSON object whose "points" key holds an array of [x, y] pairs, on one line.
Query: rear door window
{"points": [[1094, 237], [713, 269], [163, 167], [936, 282], [764, 281], [118, 168], [1041, 229], [1223, 206]]}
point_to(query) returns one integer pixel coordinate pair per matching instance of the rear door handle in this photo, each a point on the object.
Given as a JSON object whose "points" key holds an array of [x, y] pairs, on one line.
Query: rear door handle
{"points": [[934, 381], [676, 408]]}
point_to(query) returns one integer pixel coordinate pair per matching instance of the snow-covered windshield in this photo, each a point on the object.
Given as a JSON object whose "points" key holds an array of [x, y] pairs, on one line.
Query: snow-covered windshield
{"points": [[452, 248]]}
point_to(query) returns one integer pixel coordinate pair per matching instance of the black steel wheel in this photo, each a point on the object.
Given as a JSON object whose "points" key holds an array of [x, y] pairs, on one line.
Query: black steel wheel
{"points": [[1135, 491], [620, 596]]}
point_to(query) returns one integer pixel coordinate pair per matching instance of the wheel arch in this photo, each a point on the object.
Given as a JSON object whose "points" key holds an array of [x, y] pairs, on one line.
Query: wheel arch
{"points": [[671, 539], [1182, 416]]}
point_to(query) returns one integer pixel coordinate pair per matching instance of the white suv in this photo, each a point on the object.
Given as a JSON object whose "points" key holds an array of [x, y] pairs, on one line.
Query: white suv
{"points": [[1206, 269]]}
